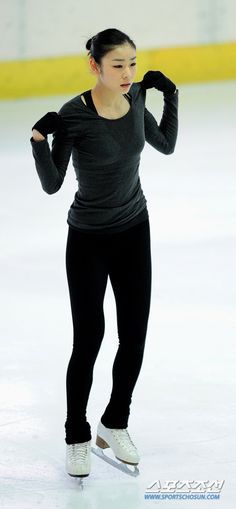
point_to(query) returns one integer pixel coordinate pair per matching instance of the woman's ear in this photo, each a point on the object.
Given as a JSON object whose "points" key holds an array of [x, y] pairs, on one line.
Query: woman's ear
{"points": [[94, 66]]}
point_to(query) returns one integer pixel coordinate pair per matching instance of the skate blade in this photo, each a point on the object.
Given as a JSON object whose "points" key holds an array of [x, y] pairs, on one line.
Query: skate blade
{"points": [[80, 480], [123, 467], [79, 476]]}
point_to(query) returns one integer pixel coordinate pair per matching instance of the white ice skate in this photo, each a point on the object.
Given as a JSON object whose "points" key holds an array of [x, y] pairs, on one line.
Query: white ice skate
{"points": [[122, 446], [78, 459]]}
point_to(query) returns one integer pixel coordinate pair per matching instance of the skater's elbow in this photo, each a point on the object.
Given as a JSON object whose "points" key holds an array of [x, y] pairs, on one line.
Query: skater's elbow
{"points": [[51, 189], [169, 149], [52, 185]]}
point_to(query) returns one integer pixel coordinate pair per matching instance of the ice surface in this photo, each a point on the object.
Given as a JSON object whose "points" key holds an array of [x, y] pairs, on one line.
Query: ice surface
{"points": [[183, 412]]}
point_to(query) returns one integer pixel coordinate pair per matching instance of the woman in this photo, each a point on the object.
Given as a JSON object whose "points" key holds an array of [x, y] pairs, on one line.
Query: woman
{"points": [[108, 234]]}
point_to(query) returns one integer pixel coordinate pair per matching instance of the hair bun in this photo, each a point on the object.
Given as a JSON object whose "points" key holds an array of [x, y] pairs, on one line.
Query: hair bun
{"points": [[89, 44]]}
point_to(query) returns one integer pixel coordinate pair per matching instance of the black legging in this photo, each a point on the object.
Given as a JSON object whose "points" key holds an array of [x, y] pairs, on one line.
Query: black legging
{"points": [[90, 258]]}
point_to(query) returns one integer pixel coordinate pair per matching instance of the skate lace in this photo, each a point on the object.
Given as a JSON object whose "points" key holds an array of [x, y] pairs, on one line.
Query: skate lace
{"points": [[78, 452], [123, 438]]}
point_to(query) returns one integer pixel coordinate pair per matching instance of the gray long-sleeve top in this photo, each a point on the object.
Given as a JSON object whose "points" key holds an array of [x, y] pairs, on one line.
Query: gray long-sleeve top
{"points": [[106, 157]]}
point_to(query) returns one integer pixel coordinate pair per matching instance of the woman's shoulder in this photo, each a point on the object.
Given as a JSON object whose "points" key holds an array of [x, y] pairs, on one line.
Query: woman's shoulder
{"points": [[70, 106]]}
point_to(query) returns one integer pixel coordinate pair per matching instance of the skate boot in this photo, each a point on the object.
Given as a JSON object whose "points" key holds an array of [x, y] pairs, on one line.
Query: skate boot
{"points": [[78, 459], [120, 443]]}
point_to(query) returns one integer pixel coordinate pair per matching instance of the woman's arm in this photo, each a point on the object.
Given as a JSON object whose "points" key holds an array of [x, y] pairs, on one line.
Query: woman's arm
{"points": [[51, 165], [163, 136]]}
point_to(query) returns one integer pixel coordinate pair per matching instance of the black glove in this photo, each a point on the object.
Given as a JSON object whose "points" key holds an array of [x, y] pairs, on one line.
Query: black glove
{"points": [[158, 80], [50, 123]]}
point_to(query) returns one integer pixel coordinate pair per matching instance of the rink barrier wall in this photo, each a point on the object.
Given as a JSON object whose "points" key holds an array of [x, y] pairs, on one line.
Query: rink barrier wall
{"points": [[71, 74]]}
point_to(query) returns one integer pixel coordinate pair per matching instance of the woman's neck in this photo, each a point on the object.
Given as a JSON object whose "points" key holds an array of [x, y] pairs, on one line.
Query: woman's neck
{"points": [[107, 98]]}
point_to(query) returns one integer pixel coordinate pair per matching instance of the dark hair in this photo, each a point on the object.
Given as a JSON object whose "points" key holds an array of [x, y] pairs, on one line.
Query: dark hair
{"points": [[105, 41]]}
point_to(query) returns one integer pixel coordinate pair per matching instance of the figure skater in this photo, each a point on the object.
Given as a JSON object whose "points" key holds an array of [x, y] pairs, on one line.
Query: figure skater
{"points": [[105, 129]]}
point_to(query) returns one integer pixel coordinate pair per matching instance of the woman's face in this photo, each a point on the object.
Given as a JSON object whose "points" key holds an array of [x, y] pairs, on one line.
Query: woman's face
{"points": [[118, 68]]}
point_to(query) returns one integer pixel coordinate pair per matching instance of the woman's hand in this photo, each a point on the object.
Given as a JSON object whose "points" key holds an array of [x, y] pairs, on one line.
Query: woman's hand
{"points": [[158, 80], [48, 124]]}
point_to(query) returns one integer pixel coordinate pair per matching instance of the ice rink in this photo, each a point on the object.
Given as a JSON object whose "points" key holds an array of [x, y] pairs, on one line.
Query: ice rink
{"points": [[183, 412]]}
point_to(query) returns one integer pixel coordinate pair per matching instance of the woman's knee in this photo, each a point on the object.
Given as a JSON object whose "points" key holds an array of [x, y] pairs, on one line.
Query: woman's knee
{"points": [[88, 333]]}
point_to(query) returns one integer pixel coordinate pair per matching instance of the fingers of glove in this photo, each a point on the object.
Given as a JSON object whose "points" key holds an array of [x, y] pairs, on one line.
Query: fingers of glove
{"points": [[158, 80], [151, 78], [49, 123]]}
